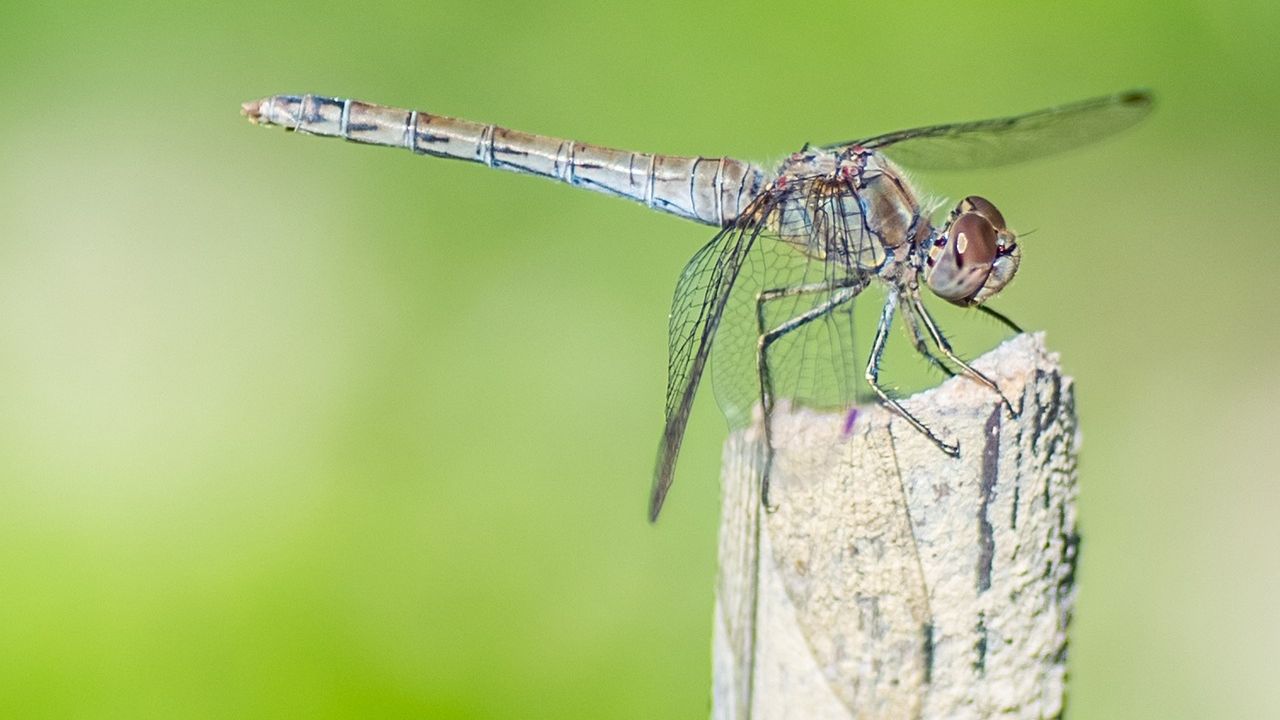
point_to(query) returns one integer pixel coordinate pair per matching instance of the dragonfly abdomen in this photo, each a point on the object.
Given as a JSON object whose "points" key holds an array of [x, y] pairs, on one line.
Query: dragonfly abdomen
{"points": [[713, 191]]}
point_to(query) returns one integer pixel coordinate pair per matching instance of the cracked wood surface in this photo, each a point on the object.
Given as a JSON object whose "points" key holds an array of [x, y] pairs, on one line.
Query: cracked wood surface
{"points": [[892, 581]]}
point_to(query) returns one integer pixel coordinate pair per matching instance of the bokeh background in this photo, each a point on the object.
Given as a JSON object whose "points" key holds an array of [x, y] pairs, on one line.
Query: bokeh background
{"points": [[295, 428]]}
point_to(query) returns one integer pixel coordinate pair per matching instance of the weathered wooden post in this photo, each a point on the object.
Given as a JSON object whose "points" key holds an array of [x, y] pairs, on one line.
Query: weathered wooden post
{"points": [[893, 581]]}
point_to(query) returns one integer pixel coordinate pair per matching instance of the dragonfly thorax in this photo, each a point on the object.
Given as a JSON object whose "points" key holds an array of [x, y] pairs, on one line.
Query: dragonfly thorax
{"points": [[853, 209]]}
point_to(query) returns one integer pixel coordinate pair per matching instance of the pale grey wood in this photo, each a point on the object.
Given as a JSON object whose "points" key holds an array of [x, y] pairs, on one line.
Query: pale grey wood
{"points": [[892, 581]]}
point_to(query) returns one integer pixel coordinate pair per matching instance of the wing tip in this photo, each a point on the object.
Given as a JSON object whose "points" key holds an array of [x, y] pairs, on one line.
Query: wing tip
{"points": [[1138, 98], [657, 496], [655, 507]]}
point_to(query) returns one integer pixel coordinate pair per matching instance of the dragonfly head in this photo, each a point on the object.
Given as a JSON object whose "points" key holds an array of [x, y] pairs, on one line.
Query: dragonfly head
{"points": [[974, 257]]}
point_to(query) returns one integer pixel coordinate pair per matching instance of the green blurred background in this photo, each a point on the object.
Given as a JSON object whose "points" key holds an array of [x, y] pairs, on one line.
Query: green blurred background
{"points": [[291, 428]]}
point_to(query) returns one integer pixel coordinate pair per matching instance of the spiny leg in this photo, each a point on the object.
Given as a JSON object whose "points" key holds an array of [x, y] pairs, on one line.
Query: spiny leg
{"points": [[922, 346], [844, 291], [873, 376], [1000, 317], [917, 305]]}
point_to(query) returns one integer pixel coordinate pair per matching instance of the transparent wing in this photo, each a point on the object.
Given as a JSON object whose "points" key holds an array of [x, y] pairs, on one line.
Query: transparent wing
{"points": [[866, 604], [815, 363], [1001, 141], [696, 311], [810, 239]]}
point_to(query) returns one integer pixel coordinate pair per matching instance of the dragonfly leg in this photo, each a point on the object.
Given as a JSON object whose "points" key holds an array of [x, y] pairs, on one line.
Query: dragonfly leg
{"points": [[917, 306], [1001, 317], [843, 291], [922, 346], [873, 376]]}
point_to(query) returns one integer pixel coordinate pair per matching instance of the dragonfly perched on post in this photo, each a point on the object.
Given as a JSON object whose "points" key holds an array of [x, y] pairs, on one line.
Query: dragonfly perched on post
{"points": [[772, 291]]}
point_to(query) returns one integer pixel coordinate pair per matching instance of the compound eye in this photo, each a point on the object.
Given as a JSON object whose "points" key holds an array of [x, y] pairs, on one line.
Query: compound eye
{"points": [[983, 207], [959, 268]]}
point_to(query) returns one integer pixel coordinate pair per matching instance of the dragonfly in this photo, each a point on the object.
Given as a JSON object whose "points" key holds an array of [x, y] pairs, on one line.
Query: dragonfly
{"points": [[770, 296]]}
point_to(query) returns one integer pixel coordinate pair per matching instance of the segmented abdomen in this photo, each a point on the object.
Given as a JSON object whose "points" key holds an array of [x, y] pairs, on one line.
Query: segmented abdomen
{"points": [[709, 190]]}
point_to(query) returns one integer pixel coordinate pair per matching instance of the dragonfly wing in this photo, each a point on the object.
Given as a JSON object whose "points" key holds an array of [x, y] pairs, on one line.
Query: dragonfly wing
{"points": [[1002, 141], [815, 363], [844, 546], [790, 271], [697, 307]]}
